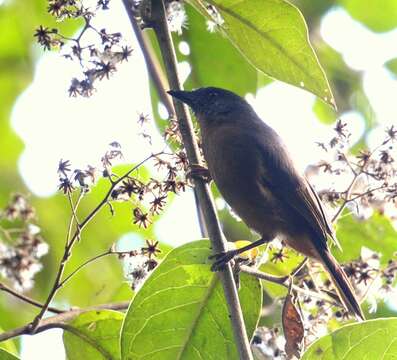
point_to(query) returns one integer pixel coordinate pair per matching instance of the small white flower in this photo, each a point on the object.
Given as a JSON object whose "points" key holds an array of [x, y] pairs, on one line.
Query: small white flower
{"points": [[177, 18], [33, 229]]}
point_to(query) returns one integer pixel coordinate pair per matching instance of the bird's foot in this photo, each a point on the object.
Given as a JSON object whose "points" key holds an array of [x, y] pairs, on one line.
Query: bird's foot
{"points": [[197, 171], [221, 259]]}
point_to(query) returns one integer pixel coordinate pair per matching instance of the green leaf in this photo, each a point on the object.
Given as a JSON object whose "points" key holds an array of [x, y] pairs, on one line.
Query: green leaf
{"points": [[181, 312], [377, 234], [377, 15], [273, 36], [94, 335], [8, 346], [392, 66], [214, 60], [5, 355], [373, 339], [324, 113]]}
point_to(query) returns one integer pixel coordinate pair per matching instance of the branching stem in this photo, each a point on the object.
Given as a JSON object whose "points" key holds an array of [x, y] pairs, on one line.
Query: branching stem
{"points": [[69, 244], [58, 320]]}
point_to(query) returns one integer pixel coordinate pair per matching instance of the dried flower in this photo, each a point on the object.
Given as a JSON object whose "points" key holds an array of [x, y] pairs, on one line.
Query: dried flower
{"points": [[151, 248], [391, 133], [97, 57], [20, 260], [65, 186], [279, 256], [63, 167], [140, 218], [130, 186], [157, 204], [43, 36], [340, 128]]}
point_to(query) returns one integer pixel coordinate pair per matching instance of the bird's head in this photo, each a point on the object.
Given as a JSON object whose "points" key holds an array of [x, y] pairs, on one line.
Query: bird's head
{"points": [[211, 101]]}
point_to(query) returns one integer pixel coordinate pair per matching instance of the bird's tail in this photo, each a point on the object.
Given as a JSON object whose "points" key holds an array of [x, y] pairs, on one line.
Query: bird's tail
{"points": [[342, 283]]}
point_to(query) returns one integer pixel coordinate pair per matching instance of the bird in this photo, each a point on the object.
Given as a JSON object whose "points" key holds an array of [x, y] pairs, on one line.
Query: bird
{"points": [[255, 174]]}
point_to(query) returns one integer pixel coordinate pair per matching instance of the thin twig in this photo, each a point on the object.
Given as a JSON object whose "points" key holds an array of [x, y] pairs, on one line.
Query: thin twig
{"points": [[157, 19], [366, 193], [348, 163], [54, 321], [346, 199], [300, 267], [283, 281], [355, 177], [70, 226], [74, 208], [280, 280], [349, 199], [5, 288], [89, 261]]}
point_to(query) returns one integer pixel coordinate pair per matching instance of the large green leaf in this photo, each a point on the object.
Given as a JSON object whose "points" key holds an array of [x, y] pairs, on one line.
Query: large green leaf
{"points": [[8, 345], [377, 233], [372, 340], [272, 34], [95, 335], [181, 312], [377, 15], [213, 59]]}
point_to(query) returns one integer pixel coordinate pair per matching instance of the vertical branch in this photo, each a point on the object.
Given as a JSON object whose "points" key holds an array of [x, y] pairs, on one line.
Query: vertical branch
{"points": [[153, 67], [157, 76], [157, 19]]}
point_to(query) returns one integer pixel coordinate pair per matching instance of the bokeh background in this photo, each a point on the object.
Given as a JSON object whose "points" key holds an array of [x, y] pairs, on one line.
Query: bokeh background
{"points": [[40, 124]]}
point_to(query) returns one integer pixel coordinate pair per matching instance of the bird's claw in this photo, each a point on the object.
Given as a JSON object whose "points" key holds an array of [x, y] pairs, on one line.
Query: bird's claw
{"points": [[197, 171], [221, 259]]}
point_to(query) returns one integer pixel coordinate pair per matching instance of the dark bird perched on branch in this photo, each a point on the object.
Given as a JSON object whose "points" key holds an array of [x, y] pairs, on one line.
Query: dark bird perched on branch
{"points": [[256, 176]]}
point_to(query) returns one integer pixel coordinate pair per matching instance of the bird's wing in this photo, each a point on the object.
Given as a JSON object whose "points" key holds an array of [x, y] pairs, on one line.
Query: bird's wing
{"points": [[329, 229], [293, 190]]}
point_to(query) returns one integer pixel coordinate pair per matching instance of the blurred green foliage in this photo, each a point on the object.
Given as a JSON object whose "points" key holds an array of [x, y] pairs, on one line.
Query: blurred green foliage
{"points": [[216, 61], [376, 15], [376, 233], [392, 66]]}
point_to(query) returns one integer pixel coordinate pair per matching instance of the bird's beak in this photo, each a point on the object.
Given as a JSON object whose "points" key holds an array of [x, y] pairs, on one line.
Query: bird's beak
{"points": [[185, 96]]}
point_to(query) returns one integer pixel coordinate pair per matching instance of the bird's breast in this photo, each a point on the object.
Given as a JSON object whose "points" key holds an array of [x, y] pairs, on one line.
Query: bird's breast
{"points": [[233, 164]]}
